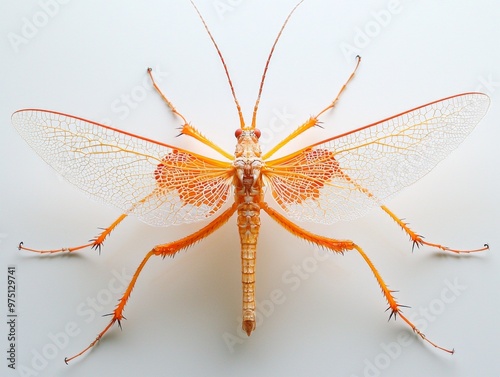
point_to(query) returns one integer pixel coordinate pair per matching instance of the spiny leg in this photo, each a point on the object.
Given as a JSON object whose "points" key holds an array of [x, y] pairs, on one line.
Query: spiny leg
{"points": [[118, 312], [95, 243], [418, 239], [313, 121], [186, 128], [340, 246], [394, 307], [169, 249]]}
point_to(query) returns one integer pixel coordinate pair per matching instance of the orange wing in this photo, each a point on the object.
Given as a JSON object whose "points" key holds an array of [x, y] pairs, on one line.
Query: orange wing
{"points": [[344, 176], [161, 184]]}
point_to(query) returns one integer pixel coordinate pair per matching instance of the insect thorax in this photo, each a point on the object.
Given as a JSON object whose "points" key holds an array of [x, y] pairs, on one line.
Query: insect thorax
{"points": [[248, 164]]}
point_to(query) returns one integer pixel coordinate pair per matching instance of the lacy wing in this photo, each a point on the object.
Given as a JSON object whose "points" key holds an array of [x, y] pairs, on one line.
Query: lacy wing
{"points": [[161, 184], [342, 177]]}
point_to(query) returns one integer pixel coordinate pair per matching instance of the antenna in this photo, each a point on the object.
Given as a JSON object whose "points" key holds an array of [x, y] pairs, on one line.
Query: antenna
{"points": [[238, 108], [254, 116]]}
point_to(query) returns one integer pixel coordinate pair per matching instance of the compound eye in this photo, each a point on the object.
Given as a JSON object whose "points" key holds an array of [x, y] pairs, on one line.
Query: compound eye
{"points": [[256, 133], [238, 133]]}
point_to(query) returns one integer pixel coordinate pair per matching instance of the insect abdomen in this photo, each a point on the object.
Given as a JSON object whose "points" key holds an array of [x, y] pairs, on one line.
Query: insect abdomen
{"points": [[248, 226]]}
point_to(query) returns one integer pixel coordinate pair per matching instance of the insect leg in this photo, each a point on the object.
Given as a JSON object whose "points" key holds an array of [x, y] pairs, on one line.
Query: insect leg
{"points": [[313, 121], [95, 243], [418, 239], [168, 249], [167, 101], [186, 128], [340, 246], [415, 238], [334, 102], [394, 307]]}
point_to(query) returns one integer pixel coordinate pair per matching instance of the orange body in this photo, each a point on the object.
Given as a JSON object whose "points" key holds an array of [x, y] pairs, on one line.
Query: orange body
{"points": [[335, 179], [248, 196]]}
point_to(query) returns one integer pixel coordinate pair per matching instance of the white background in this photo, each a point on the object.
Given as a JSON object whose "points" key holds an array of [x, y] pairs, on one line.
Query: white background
{"points": [[85, 56]]}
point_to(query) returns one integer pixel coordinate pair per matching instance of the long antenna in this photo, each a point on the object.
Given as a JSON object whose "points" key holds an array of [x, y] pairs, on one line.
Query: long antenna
{"points": [[242, 121], [254, 116]]}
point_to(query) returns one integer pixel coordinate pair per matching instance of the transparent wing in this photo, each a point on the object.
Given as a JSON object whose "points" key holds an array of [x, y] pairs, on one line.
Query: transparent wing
{"points": [[342, 177], [161, 184]]}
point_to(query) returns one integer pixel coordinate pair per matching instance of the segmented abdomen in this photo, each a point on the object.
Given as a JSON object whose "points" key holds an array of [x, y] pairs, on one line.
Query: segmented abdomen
{"points": [[248, 226]]}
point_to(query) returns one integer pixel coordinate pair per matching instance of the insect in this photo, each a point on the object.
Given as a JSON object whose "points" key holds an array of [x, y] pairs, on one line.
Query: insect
{"points": [[331, 180]]}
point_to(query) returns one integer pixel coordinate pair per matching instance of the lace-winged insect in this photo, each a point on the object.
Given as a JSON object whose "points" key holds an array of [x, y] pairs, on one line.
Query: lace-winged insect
{"points": [[334, 179]]}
